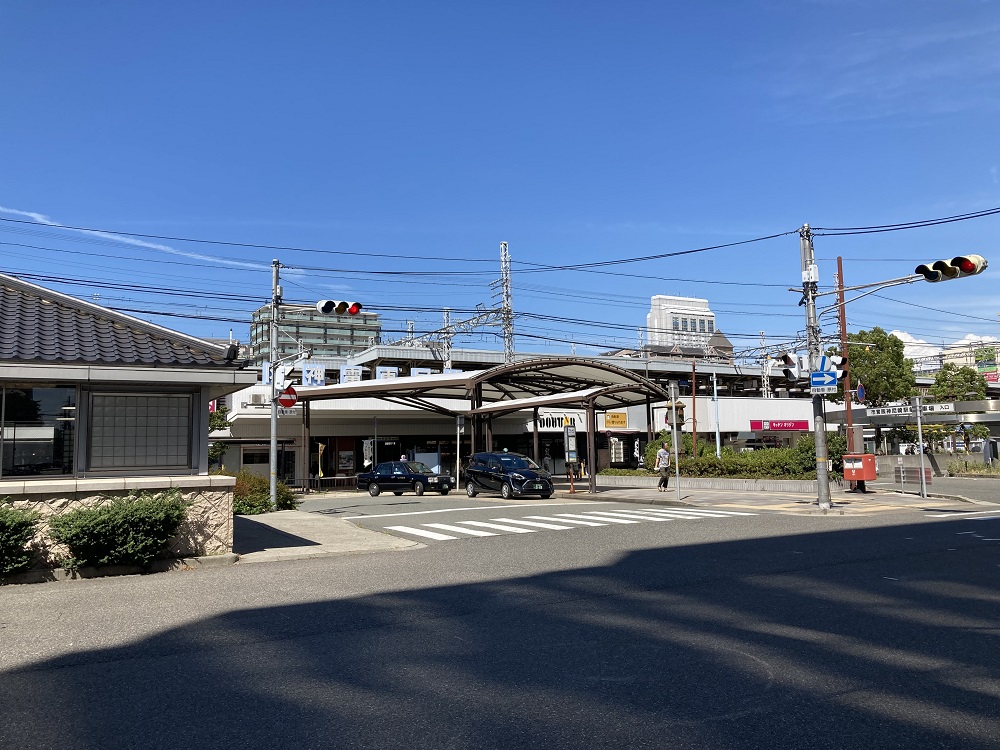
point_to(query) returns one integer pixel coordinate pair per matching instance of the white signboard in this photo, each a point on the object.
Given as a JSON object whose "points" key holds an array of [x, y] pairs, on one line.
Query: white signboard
{"points": [[421, 371], [386, 373], [554, 421], [313, 373], [350, 374], [907, 410]]}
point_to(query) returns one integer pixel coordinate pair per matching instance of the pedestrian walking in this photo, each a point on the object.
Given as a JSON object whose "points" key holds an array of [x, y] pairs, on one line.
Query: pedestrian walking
{"points": [[663, 464]]}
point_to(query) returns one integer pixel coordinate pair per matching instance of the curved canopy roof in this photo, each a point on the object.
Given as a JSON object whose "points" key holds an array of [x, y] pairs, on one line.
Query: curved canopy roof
{"points": [[505, 388]]}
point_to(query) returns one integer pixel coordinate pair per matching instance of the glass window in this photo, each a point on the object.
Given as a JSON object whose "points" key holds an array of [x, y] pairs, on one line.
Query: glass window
{"points": [[701, 326], [39, 428], [711, 326], [677, 324], [694, 325], [684, 324], [140, 430]]}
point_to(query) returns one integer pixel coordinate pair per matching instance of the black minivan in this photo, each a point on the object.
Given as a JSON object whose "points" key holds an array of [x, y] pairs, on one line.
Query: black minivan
{"points": [[510, 474]]}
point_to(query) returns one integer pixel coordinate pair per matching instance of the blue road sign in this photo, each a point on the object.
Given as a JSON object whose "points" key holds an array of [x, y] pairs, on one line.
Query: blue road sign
{"points": [[820, 379], [861, 393]]}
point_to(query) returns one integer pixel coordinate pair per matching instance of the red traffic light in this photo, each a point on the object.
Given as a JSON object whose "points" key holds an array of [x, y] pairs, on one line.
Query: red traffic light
{"points": [[955, 268], [340, 307]]}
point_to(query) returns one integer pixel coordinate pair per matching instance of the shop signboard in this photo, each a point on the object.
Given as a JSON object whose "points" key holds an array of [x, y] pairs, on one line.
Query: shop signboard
{"points": [[616, 420], [779, 424], [986, 363]]}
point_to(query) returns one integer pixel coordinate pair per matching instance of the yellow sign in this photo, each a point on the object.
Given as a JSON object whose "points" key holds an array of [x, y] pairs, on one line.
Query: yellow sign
{"points": [[615, 420]]}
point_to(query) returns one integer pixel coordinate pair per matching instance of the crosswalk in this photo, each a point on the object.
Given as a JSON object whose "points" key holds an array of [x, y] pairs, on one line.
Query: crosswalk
{"points": [[557, 522]]}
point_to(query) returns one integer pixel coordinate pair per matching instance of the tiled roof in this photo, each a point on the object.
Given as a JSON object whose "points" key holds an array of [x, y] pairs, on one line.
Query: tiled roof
{"points": [[40, 325]]}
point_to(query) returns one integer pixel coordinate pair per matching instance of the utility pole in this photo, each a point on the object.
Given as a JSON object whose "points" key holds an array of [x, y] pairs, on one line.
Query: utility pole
{"points": [[507, 305], [859, 486], [715, 398], [273, 369], [810, 283]]}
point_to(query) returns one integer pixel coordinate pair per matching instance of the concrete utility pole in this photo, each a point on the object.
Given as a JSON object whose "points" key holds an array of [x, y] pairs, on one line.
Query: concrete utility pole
{"points": [[507, 305], [273, 369], [810, 283]]}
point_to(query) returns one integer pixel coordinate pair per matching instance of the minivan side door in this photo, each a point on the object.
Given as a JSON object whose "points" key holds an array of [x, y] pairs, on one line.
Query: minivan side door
{"points": [[494, 474]]}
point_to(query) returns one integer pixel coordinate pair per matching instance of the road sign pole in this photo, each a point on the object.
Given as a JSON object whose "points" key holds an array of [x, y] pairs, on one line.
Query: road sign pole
{"points": [[810, 283], [920, 439], [275, 303]]}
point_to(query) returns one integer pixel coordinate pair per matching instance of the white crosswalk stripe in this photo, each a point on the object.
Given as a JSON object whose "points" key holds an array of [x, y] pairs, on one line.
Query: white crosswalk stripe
{"points": [[554, 527], [421, 532], [695, 512], [459, 529], [626, 514], [560, 522], [499, 527], [569, 520], [590, 518]]}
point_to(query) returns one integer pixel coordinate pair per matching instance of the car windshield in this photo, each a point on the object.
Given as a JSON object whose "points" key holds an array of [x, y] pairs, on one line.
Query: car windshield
{"points": [[517, 462], [417, 467]]}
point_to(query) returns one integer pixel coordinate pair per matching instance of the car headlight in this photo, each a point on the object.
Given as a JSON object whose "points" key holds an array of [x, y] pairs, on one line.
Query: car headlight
{"points": [[518, 477]]}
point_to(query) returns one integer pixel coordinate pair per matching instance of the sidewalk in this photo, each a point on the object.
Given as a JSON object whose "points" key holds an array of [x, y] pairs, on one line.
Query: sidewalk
{"points": [[297, 535]]}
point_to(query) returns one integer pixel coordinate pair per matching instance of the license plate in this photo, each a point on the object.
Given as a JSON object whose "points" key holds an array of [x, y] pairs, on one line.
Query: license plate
{"points": [[538, 486]]}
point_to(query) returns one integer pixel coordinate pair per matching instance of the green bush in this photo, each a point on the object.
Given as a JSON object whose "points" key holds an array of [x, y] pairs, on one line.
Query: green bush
{"points": [[126, 531], [17, 527], [252, 494], [798, 462]]}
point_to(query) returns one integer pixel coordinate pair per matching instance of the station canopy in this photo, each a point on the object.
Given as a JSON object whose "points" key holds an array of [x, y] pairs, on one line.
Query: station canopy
{"points": [[558, 381]]}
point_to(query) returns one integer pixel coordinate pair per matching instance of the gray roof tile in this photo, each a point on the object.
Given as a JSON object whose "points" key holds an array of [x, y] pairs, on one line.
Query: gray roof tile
{"points": [[40, 325]]}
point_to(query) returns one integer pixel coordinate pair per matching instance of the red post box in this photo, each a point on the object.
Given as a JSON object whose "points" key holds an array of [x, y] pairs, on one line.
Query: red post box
{"points": [[859, 467]]}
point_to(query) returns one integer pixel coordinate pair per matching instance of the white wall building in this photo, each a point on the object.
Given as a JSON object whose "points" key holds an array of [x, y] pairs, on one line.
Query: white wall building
{"points": [[684, 321]]}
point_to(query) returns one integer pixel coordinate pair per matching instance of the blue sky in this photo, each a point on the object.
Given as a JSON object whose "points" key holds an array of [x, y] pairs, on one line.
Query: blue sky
{"points": [[412, 138]]}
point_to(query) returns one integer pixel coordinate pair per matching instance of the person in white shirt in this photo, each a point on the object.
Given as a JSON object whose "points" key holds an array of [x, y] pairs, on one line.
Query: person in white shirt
{"points": [[663, 464]]}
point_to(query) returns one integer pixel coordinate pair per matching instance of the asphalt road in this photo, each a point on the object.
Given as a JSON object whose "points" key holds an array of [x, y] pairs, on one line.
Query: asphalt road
{"points": [[764, 631]]}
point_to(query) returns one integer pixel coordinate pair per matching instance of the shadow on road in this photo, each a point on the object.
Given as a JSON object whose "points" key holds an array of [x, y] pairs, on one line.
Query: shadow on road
{"points": [[871, 638]]}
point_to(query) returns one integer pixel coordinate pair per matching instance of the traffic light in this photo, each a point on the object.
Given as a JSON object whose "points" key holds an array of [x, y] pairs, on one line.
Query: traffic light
{"points": [[839, 364], [340, 307], [794, 367], [956, 268]]}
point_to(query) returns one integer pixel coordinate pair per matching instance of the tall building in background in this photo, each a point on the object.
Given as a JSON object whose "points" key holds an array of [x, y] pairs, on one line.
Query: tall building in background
{"points": [[679, 321], [329, 336]]}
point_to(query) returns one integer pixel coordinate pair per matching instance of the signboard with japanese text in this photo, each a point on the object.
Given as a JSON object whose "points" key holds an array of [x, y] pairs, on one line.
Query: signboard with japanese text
{"points": [[386, 373], [907, 410], [779, 424], [986, 363], [350, 374], [616, 420], [313, 373]]}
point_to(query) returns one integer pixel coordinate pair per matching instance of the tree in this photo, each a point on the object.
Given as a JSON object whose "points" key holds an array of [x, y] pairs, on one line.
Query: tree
{"points": [[875, 358], [954, 383], [217, 420]]}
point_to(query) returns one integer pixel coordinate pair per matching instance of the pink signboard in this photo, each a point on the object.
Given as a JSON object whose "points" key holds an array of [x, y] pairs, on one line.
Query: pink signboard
{"points": [[779, 424]]}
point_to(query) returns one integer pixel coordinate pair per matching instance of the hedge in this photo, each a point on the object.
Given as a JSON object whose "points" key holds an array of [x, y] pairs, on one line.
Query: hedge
{"points": [[252, 494], [126, 531], [17, 528]]}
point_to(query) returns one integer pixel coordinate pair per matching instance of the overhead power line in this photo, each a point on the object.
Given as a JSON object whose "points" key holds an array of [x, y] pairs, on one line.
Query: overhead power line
{"points": [[906, 225]]}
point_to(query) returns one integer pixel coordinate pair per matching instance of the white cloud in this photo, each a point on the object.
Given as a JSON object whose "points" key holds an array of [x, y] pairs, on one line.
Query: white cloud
{"points": [[125, 240]]}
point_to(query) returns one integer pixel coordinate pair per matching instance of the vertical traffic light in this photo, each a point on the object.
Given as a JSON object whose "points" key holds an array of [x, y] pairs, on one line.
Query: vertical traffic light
{"points": [[794, 367], [955, 268], [340, 307]]}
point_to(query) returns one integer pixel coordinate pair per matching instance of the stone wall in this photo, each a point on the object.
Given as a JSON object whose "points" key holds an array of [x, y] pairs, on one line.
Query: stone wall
{"points": [[207, 529]]}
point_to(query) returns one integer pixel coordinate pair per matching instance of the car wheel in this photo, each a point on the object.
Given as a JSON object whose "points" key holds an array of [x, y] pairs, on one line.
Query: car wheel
{"points": [[374, 489], [445, 491], [470, 489], [418, 487], [506, 491], [397, 493]]}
